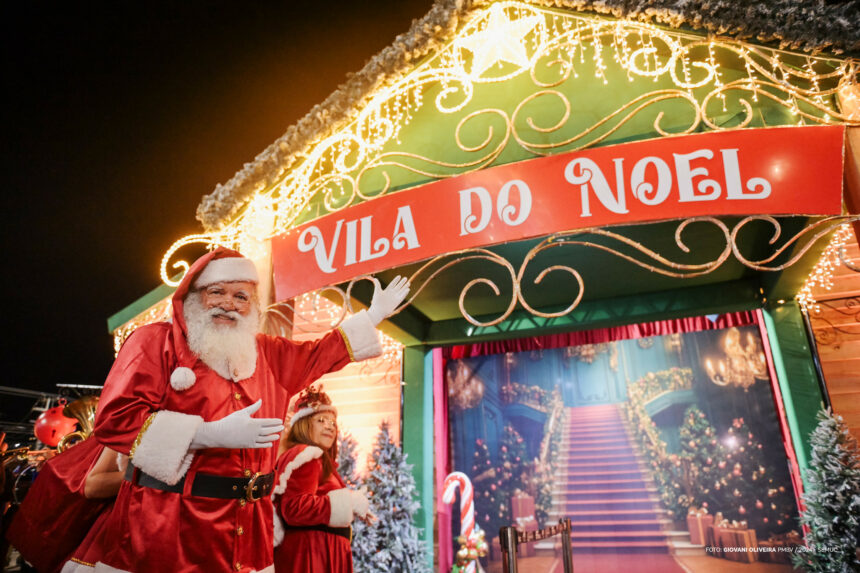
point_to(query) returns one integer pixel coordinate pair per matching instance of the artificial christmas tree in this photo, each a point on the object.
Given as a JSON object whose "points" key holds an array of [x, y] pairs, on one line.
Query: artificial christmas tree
{"points": [[701, 453], [391, 543], [347, 452], [832, 500], [487, 482], [746, 488], [514, 464]]}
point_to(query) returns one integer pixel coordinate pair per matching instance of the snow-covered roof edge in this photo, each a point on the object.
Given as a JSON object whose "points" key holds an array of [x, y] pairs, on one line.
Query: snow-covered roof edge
{"points": [[803, 25]]}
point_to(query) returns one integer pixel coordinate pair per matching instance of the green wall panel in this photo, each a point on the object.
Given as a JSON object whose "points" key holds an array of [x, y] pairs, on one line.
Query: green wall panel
{"points": [[797, 376], [417, 438]]}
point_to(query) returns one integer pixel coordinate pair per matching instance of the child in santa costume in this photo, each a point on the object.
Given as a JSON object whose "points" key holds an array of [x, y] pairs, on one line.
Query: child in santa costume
{"points": [[313, 508]]}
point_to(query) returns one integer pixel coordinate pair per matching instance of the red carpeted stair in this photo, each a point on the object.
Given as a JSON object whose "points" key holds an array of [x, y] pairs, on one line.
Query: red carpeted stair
{"points": [[612, 503]]}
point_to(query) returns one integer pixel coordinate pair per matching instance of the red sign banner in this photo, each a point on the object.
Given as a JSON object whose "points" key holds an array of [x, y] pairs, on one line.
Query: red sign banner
{"points": [[774, 171]]}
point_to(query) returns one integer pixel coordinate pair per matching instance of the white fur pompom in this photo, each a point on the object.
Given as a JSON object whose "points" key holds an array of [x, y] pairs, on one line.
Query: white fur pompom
{"points": [[182, 379]]}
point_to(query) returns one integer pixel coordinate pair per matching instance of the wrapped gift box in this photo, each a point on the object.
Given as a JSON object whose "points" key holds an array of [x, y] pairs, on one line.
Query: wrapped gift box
{"points": [[739, 543], [526, 524], [779, 548], [522, 506], [712, 535], [523, 513], [698, 522]]}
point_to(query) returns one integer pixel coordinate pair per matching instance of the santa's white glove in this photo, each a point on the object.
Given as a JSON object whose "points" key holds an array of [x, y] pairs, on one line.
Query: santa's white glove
{"points": [[238, 430], [360, 503], [386, 300]]}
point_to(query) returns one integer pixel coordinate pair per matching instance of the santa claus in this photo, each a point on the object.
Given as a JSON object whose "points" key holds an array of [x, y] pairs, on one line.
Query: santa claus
{"points": [[197, 404]]}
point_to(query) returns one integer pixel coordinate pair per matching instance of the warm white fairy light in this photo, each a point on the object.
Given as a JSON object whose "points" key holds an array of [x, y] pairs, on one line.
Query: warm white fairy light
{"points": [[313, 308], [501, 40], [159, 312], [497, 44], [821, 276]]}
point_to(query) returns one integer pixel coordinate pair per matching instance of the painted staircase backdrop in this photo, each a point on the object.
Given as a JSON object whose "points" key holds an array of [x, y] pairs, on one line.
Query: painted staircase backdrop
{"points": [[626, 438]]}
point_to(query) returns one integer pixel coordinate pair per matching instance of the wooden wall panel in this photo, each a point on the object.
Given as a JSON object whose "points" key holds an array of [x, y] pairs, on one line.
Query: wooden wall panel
{"points": [[836, 325], [365, 393]]}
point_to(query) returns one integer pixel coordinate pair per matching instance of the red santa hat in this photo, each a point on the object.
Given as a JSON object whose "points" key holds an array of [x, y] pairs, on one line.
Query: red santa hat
{"points": [[227, 270], [309, 401]]}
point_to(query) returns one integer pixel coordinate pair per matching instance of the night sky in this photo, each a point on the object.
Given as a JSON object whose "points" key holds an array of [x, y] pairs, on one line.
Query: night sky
{"points": [[118, 118]]}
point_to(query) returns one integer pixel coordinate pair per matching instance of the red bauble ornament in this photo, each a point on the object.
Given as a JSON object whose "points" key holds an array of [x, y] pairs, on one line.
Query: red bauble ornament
{"points": [[758, 504], [742, 510], [51, 426]]}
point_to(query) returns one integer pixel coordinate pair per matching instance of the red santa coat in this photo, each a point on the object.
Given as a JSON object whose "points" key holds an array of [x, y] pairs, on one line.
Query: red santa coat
{"points": [[91, 548], [55, 516], [149, 411], [303, 498]]}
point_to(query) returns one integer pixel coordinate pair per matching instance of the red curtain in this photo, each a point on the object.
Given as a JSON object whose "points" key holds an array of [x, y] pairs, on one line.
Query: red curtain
{"points": [[657, 328]]}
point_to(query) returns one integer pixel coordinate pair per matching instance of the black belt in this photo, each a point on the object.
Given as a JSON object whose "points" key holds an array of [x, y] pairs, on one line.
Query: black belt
{"points": [[208, 485], [345, 532]]}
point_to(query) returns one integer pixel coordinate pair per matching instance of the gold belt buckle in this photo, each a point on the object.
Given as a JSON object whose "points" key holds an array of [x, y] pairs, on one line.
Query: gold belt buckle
{"points": [[251, 488]]}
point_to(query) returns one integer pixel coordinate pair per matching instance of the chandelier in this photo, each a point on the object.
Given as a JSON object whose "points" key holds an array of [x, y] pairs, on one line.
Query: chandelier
{"points": [[742, 365], [465, 388]]}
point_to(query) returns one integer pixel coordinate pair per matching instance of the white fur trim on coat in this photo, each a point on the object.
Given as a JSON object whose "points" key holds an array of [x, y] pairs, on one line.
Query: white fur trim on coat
{"points": [[227, 270], [75, 567], [182, 378], [341, 507], [305, 412], [102, 568], [361, 337], [279, 525], [303, 457], [162, 448]]}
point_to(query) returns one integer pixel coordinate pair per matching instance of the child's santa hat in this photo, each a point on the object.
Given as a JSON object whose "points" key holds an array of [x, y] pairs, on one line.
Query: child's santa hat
{"points": [[310, 401]]}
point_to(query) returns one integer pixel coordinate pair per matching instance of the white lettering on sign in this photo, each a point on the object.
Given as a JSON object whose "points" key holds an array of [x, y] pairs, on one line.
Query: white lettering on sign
{"points": [[733, 179], [708, 188], [644, 190], [312, 238], [508, 212], [583, 171], [360, 245], [467, 218], [693, 184]]}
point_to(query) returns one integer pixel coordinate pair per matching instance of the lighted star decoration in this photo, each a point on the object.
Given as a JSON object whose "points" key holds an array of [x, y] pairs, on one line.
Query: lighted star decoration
{"points": [[500, 41]]}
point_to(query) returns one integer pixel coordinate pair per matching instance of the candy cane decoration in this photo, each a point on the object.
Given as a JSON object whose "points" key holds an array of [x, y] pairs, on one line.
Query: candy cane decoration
{"points": [[467, 505]]}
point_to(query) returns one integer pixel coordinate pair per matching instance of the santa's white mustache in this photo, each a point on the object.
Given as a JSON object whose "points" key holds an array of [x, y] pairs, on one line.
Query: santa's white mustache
{"points": [[220, 312]]}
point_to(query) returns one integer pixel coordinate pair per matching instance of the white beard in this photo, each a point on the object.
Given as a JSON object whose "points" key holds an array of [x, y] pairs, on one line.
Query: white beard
{"points": [[228, 349]]}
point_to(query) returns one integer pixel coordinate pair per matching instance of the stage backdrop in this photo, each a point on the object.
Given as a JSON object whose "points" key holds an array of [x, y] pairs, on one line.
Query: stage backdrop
{"points": [[661, 449]]}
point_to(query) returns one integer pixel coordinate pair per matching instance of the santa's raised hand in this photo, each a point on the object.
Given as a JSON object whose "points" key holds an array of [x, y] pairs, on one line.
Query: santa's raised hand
{"points": [[386, 300]]}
